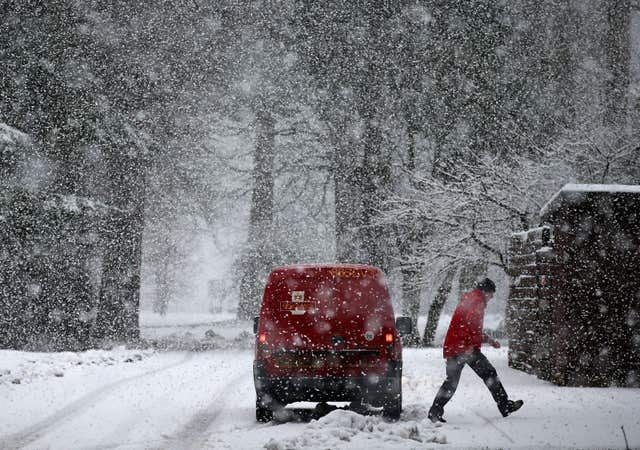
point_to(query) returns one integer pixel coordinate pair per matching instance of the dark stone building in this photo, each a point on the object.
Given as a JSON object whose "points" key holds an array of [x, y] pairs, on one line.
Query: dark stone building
{"points": [[573, 313]]}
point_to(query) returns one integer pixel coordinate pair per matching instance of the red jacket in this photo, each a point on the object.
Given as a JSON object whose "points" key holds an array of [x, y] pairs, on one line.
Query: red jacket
{"points": [[465, 331]]}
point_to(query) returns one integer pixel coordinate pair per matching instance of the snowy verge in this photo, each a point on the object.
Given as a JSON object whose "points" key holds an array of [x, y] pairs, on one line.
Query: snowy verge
{"points": [[150, 319], [342, 428], [19, 368], [204, 341]]}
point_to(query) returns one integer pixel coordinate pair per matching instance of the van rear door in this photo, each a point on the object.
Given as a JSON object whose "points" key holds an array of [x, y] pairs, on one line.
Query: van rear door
{"points": [[328, 321]]}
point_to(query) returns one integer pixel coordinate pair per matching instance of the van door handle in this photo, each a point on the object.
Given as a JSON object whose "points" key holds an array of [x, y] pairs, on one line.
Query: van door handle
{"points": [[337, 340]]}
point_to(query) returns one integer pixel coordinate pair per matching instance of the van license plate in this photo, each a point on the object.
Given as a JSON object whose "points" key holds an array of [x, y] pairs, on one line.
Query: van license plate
{"points": [[298, 362]]}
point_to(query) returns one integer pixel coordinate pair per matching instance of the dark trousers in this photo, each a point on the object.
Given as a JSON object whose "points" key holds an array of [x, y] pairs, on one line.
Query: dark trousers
{"points": [[482, 367]]}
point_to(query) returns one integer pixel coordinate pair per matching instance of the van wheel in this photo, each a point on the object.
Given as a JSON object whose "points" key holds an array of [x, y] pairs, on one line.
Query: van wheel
{"points": [[392, 406], [264, 410]]}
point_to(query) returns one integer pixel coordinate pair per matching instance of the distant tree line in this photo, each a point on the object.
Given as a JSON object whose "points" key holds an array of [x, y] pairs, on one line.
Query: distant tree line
{"points": [[409, 135]]}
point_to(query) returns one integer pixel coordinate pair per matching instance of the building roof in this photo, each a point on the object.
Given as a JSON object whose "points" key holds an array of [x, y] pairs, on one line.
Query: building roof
{"points": [[574, 190]]}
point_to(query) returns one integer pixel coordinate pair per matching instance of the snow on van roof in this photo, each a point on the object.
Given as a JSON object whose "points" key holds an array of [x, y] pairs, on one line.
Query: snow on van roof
{"points": [[302, 267], [579, 188]]}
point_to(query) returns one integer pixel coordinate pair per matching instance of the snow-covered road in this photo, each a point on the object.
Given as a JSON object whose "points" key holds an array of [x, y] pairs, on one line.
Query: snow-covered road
{"points": [[172, 400]]}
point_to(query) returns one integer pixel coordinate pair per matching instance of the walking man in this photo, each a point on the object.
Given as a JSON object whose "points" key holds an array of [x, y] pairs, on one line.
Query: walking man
{"points": [[462, 346]]}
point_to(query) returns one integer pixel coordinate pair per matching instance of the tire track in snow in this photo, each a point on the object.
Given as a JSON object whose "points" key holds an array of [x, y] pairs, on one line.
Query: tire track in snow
{"points": [[37, 430], [194, 433]]}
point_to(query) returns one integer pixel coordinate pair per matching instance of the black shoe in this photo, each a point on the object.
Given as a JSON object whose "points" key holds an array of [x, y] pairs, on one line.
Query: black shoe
{"points": [[510, 407], [435, 416]]}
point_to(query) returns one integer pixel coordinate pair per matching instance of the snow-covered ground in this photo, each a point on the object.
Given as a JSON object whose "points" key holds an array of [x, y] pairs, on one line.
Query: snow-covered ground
{"points": [[179, 325], [142, 399]]}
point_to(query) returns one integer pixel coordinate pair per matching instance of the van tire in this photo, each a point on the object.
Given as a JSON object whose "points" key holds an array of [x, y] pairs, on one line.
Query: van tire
{"points": [[392, 407], [264, 411]]}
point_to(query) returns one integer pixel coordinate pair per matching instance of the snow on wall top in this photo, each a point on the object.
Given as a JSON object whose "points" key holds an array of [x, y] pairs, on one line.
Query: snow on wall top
{"points": [[9, 135], [600, 188], [524, 235], [579, 188]]}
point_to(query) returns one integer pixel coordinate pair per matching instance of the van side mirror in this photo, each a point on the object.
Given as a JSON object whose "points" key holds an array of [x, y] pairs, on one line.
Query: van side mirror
{"points": [[255, 324], [404, 325]]}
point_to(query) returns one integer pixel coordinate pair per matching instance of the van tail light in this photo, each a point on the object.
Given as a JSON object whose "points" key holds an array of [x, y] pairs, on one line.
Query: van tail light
{"points": [[262, 338], [388, 337]]}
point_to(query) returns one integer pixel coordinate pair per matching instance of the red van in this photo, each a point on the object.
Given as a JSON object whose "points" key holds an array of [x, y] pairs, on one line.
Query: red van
{"points": [[327, 333]]}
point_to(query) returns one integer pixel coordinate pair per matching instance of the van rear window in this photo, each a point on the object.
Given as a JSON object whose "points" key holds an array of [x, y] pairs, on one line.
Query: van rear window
{"points": [[352, 293]]}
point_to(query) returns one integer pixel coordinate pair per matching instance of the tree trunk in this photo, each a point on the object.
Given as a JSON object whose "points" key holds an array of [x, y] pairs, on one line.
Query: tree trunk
{"points": [[375, 186], [258, 257], [348, 205], [435, 310], [376, 165], [165, 277], [469, 275], [405, 249], [563, 67], [618, 60], [118, 311], [412, 133], [411, 304]]}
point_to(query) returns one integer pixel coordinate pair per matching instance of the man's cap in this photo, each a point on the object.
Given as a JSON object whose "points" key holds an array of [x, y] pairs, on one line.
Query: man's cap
{"points": [[486, 285]]}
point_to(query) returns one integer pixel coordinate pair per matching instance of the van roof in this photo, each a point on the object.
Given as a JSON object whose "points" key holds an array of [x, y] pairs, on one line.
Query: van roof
{"points": [[327, 271]]}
